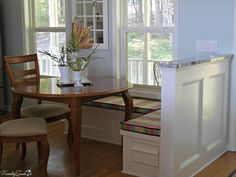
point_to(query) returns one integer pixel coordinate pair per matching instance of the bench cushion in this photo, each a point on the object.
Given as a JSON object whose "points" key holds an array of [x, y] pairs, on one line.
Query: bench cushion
{"points": [[140, 105], [149, 124]]}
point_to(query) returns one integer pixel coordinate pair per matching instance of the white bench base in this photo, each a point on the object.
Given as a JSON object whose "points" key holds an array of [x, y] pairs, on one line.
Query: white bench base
{"points": [[140, 154]]}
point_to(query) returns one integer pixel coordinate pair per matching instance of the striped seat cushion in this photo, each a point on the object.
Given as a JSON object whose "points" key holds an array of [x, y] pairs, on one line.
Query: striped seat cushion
{"points": [[140, 105], [149, 124]]}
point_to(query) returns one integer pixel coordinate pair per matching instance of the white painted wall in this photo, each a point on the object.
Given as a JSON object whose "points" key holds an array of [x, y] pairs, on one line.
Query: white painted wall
{"points": [[205, 20], [232, 110]]}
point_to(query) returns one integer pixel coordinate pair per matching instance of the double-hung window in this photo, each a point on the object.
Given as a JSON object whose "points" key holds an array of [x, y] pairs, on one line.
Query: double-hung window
{"points": [[148, 34], [48, 31]]}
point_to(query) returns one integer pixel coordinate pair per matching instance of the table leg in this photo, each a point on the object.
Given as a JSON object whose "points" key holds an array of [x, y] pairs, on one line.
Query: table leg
{"points": [[128, 105], [76, 117], [16, 105]]}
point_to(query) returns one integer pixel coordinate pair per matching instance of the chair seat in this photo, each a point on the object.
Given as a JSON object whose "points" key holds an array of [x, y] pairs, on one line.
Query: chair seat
{"points": [[44, 110], [23, 127]]}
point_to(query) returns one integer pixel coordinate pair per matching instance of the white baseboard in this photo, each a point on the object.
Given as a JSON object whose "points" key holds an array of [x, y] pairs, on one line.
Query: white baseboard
{"points": [[199, 170]]}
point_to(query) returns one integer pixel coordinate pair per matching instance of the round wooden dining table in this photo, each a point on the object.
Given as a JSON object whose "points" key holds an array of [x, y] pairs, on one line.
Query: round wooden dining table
{"points": [[47, 89]]}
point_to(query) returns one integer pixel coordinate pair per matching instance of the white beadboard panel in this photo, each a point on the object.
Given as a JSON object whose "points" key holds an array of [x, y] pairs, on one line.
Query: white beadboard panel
{"points": [[140, 154], [190, 136], [213, 126], [194, 117], [102, 124]]}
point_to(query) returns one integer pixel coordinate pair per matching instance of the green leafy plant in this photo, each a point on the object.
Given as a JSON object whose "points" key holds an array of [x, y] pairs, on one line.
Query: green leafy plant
{"points": [[60, 58], [80, 63]]}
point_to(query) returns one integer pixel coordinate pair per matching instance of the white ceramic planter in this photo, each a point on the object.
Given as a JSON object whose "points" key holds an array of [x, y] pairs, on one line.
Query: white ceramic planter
{"points": [[64, 71], [77, 76]]}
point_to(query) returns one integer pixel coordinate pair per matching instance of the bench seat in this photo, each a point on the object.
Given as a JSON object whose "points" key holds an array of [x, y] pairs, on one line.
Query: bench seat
{"points": [[149, 124], [140, 105]]}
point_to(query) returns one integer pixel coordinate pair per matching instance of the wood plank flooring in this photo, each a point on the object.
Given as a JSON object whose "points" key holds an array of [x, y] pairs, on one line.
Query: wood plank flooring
{"points": [[98, 159]]}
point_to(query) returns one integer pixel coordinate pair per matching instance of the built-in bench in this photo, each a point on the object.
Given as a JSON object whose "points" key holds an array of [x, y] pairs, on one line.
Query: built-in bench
{"points": [[141, 144], [102, 117], [141, 134]]}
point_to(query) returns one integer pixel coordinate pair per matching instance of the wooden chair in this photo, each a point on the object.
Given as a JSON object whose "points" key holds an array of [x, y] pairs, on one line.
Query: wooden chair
{"points": [[50, 112], [26, 130]]}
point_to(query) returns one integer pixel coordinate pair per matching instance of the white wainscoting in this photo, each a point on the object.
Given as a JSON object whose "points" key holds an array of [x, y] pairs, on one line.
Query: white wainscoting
{"points": [[194, 117], [102, 124]]}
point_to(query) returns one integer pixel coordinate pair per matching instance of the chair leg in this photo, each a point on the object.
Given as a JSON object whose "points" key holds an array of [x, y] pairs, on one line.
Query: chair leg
{"points": [[45, 154], [23, 145], [39, 146], [1, 149]]}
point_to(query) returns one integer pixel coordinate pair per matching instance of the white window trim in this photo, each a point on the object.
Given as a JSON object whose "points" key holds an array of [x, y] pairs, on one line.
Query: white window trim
{"points": [[119, 54], [105, 22]]}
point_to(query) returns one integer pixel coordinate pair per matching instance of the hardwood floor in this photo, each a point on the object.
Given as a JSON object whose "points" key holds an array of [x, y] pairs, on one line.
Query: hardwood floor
{"points": [[98, 159]]}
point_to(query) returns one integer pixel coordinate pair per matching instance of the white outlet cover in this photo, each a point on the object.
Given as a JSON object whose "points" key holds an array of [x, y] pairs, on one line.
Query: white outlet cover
{"points": [[206, 45]]}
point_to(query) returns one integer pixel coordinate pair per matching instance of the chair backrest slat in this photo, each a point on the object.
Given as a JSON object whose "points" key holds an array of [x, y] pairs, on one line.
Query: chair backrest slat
{"points": [[27, 74]]}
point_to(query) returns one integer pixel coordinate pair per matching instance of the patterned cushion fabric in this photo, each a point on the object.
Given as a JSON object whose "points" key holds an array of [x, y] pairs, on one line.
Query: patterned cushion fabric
{"points": [[147, 124], [23, 127], [44, 110], [140, 105]]}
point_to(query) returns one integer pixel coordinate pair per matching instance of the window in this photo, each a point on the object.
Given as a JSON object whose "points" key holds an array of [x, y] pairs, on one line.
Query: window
{"points": [[49, 31], [94, 13], [148, 30]]}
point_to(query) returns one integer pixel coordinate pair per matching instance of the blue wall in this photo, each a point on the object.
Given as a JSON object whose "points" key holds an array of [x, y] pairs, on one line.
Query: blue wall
{"points": [[205, 20]]}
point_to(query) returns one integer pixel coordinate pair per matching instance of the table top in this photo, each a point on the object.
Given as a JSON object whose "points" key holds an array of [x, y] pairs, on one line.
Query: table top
{"points": [[46, 87]]}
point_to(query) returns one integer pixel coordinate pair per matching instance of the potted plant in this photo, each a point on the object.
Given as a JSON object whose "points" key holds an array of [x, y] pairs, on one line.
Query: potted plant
{"points": [[71, 54], [62, 64], [80, 40]]}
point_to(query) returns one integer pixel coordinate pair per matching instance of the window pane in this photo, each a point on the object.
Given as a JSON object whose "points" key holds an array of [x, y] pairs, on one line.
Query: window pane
{"points": [[89, 8], [135, 12], [150, 13], [167, 9], [49, 13], [143, 50], [135, 46], [99, 9], [80, 9], [161, 46], [89, 22], [52, 42], [99, 38], [99, 22]]}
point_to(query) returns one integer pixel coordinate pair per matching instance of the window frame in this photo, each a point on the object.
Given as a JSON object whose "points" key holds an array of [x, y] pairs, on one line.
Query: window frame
{"points": [[103, 45], [150, 29]]}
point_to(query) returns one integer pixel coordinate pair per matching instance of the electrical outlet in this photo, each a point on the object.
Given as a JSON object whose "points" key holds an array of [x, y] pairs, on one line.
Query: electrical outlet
{"points": [[206, 45]]}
